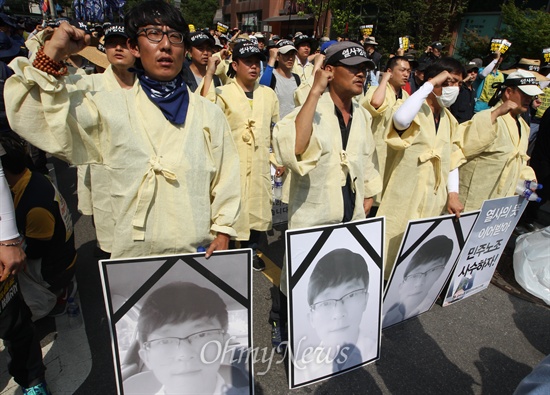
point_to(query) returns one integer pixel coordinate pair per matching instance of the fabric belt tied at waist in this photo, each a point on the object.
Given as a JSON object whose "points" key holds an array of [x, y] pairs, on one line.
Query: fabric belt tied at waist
{"points": [[145, 196], [436, 162], [248, 134], [344, 162]]}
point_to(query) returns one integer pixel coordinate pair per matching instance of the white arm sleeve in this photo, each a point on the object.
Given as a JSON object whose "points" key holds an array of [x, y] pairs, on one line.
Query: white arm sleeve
{"points": [[452, 181], [487, 70], [8, 227], [404, 116]]}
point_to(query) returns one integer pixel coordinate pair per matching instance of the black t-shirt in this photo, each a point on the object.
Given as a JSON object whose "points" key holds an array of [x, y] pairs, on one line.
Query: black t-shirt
{"points": [[347, 193]]}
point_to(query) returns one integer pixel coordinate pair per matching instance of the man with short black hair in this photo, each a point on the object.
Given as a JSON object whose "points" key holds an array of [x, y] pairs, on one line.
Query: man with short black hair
{"points": [[201, 48], [303, 67], [278, 75], [172, 160], [382, 101], [251, 109], [328, 146]]}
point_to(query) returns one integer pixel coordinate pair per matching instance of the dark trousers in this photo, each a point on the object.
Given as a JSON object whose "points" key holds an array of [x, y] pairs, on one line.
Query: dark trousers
{"points": [[278, 313], [253, 241], [19, 335]]}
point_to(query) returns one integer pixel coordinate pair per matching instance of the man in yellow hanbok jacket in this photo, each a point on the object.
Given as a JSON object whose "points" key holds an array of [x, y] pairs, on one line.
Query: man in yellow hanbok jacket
{"points": [[172, 161], [382, 101], [495, 142], [328, 146], [423, 149], [251, 110]]}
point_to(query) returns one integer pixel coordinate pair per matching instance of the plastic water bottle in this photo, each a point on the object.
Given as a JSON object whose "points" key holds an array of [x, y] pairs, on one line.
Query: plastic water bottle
{"points": [[278, 188], [528, 194], [73, 314], [526, 184]]}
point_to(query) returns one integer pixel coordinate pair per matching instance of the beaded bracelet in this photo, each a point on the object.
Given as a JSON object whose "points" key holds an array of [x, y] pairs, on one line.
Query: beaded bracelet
{"points": [[13, 244], [46, 64]]}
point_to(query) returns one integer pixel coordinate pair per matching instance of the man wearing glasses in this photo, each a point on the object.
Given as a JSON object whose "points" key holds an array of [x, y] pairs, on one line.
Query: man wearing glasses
{"points": [[337, 293], [422, 272], [170, 154], [181, 342]]}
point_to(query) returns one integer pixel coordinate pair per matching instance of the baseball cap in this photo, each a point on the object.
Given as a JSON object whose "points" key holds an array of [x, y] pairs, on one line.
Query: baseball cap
{"points": [[285, 46], [115, 29], [347, 53], [473, 64], [197, 38], [327, 44], [525, 81], [437, 45], [302, 39], [247, 49]]}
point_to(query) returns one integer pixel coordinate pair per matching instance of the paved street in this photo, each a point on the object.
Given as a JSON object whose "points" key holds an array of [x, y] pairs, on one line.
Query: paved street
{"points": [[484, 344]]}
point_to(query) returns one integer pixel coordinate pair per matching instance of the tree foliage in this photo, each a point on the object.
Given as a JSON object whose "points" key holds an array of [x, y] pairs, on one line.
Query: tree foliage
{"points": [[528, 30], [199, 12], [424, 21], [474, 45]]}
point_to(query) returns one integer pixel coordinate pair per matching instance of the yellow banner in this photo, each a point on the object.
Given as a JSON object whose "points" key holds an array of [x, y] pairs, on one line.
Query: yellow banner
{"points": [[366, 30], [404, 43], [222, 28], [500, 45]]}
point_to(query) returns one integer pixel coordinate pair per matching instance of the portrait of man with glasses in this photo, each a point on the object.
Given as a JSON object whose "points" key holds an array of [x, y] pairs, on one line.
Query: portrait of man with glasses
{"points": [[409, 293], [181, 342], [181, 324], [341, 329]]}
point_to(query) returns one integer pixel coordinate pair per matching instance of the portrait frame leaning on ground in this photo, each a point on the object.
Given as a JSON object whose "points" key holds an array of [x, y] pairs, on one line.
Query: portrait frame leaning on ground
{"points": [[335, 299], [426, 258], [181, 321]]}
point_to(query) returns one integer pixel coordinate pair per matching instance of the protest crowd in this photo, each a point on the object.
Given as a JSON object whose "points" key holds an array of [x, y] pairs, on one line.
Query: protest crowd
{"points": [[177, 136]]}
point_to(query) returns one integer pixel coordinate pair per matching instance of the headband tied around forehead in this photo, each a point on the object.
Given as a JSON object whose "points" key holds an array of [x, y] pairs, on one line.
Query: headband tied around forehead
{"points": [[521, 81], [513, 82]]}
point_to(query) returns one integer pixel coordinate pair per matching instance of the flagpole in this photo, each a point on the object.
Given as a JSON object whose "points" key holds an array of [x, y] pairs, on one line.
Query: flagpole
{"points": [[53, 11]]}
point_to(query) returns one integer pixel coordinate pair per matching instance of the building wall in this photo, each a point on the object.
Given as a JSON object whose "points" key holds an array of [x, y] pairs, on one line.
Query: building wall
{"points": [[237, 13]]}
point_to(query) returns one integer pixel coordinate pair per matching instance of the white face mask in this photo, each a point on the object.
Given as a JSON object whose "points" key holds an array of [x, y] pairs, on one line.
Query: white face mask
{"points": [[448, 96]]}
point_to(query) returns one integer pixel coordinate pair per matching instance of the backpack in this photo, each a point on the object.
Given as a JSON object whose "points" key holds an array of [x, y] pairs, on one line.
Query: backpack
{"points": [[274, 80], [4, 74]]}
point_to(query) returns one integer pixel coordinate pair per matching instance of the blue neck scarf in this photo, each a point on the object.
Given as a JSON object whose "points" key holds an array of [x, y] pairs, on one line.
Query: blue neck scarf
{"points": [[171, 97]]}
